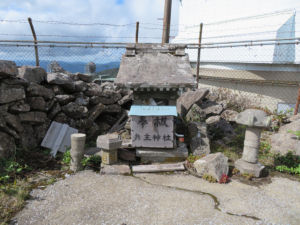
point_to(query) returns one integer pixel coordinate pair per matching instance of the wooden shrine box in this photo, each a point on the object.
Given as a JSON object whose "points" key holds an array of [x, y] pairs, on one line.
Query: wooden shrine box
{"points": [[152, 126]]}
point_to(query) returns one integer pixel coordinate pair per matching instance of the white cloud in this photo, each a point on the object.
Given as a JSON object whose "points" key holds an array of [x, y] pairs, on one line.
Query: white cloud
{"points": [[86, 11]]}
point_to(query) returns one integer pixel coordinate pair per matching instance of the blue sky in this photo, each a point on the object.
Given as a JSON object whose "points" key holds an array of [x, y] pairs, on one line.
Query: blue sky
{"points": [[86, 11]]}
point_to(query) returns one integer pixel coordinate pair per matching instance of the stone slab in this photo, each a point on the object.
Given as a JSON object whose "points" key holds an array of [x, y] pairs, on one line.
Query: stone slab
{"points": [[246, 167], [162, 155], [158, 168], [58, 137]]}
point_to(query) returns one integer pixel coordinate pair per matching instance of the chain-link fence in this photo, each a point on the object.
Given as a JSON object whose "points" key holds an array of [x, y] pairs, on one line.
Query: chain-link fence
{"points": [[258, 76], [71, 58]]}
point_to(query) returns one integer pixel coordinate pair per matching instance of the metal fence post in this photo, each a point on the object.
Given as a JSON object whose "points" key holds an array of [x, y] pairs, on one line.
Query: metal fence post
{"points": [[137, 32], [34, 38], [297, 103], [199, 51]]}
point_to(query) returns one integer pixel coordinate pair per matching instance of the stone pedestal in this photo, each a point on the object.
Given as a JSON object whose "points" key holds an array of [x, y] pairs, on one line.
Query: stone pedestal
{"points": [[246, 167], [77, 151], [109, 144]]}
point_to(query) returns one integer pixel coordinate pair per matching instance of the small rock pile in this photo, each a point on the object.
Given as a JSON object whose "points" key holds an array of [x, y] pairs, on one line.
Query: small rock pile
{"points": [[31, 98], [205, 113]]}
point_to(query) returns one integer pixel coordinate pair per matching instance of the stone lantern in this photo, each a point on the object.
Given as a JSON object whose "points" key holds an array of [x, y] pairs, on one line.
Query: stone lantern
{"points": [[109, 144], [256, 121]]}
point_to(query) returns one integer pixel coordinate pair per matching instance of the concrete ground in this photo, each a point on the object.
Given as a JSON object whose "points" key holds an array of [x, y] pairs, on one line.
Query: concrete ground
{"points": [[90, 198]]}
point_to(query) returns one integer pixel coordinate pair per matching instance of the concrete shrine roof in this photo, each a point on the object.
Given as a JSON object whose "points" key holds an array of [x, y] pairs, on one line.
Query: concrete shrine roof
{"points": [[155, 66]]}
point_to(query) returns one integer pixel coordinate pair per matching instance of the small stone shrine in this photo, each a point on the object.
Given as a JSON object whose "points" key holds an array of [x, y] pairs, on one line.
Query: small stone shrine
{"points": [[152, 133], [155, 71]]}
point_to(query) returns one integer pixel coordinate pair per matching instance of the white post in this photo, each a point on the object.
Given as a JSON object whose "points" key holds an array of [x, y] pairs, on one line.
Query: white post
{"points": [[77, 151]]}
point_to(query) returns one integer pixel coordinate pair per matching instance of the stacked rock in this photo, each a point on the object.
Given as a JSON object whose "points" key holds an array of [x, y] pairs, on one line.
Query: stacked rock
{"points": [[31, 98]]}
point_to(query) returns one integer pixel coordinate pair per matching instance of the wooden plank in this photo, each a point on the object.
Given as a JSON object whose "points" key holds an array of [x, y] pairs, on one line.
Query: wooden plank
{"points": [[158, 168], [116, 125]]}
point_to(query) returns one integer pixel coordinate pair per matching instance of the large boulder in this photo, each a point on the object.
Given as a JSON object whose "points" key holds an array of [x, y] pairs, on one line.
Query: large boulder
{"points": [[33, 117], [186, 100], [228, 131], [229, 115], [94, 112], [8, 69], [211, 108], [35, 90], [64, 99], [82, 100], [96, 90], [37, 103], [11, 93], [54, 110], [34, 74], [108, 119], [61, 79], [80, 86], [7, 145], [200, 146], [125, 100], [284, 142], [294, 126], [28, 139], [75, 111], [19, 107], [214, 164], [4, 128], [112, 109], [194, 127], [115, 97], [84, 77], [96, 100], [40, 131], [213, 120], [14, 122], [16, 81], [195, 114], [61, 118]]}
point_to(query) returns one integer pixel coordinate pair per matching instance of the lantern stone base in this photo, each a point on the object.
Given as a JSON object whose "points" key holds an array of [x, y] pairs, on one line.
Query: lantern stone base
{"points": [[246, 167], [147, 155]]}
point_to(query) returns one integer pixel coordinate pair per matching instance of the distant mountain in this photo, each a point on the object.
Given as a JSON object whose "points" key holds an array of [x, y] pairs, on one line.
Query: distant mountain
{"points": [[72, 67]]}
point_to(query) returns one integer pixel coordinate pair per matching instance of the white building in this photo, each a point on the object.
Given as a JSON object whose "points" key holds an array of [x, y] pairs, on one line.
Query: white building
{"points": [[242, 20]]}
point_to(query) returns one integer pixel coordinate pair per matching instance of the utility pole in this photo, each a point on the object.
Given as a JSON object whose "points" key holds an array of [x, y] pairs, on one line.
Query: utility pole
{"points": [[167, 21]]}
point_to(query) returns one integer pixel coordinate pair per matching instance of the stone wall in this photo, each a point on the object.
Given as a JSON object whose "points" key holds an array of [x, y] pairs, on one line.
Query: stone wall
{"points": [[31, 98]]}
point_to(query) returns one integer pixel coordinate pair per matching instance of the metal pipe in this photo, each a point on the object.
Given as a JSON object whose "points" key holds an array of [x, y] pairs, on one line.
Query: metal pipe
{"points": [[199, 51], [246, 45], [297, 103], [232, 42], [167, 21], [137, 32], [67, 46], [34, 38]]}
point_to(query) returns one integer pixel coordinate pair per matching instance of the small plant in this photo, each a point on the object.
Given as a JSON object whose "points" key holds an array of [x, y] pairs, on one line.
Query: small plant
{"points": [[265, 147], [289, 170], [192, 158], [224, 179], [67, 157], [249, 176], [235, 171], [209, 178], [297, 133], [94, 160]]}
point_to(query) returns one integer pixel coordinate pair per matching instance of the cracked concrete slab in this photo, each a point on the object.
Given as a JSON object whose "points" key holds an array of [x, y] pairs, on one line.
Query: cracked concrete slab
{"points": [[91, 198], [277, 203]]}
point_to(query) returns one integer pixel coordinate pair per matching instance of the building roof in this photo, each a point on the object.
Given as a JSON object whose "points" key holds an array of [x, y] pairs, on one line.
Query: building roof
{"points": [[146, 110], [155, 66]]}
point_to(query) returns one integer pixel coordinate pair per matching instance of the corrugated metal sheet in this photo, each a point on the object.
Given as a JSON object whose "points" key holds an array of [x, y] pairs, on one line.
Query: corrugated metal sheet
{"points": [[149, 110]]}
